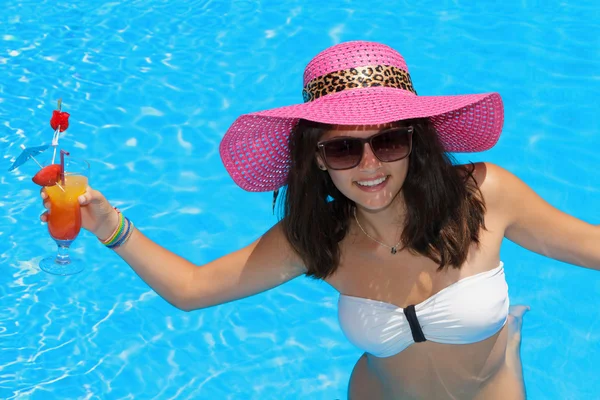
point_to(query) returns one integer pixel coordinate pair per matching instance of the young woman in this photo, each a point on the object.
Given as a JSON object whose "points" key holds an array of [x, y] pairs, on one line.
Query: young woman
{"points": [[374, 206]]}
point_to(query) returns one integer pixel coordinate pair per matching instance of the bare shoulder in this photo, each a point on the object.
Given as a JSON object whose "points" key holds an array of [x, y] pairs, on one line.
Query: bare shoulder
{"points": [[498, 184], [476, 171], [492, 180]]}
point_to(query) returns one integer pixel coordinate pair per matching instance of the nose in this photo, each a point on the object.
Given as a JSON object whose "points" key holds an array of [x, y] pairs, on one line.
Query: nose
{"points": [[369, 162]]}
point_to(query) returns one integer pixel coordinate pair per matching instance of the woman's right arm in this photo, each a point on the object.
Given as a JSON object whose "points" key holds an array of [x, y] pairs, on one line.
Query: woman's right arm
{"points": [[262, 265]]}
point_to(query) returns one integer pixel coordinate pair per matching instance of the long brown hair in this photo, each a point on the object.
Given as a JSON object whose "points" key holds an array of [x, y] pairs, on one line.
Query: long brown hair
{"points": [[445, 209]]}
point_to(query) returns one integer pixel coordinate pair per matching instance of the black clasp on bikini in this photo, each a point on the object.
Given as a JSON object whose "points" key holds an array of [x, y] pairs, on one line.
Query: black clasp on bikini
{"points": [[413, 322]]}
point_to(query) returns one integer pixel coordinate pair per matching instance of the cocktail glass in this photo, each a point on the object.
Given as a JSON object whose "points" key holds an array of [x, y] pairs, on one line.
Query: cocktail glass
{"points": [[64, 217]]}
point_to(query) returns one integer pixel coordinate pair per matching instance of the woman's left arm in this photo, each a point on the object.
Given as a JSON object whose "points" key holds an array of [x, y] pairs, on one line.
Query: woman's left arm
{"points": [[536, 225]]}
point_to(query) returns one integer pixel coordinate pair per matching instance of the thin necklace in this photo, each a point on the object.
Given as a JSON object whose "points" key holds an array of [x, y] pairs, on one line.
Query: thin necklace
{"points": [[394, 248]]}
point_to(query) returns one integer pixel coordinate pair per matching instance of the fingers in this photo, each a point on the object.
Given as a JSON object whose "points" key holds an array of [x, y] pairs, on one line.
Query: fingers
{"points": [[87, 197], [45, 201], [90, 196], [518, 310]]}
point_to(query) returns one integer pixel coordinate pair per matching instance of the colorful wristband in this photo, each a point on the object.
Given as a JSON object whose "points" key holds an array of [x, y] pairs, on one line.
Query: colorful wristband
{"points": [[122, 239], [121, 234], [118, 229]]}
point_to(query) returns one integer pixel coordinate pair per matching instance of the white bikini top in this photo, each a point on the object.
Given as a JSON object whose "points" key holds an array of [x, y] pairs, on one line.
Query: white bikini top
{"points": [[467, 311]]}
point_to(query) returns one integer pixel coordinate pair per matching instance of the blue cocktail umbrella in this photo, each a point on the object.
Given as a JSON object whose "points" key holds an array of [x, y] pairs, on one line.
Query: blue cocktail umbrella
{"points": [[28, 152]]}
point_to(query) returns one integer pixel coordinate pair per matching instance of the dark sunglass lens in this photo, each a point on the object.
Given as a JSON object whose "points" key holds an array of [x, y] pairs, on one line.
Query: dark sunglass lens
{"points": [[392, 145], [343, 153]]}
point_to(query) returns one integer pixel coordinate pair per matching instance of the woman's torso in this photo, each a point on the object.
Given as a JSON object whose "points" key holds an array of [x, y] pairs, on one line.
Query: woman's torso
{"points": [[426, 369]]}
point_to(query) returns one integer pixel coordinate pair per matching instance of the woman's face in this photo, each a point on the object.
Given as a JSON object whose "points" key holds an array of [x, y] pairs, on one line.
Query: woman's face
{"points": [[372, 184]]}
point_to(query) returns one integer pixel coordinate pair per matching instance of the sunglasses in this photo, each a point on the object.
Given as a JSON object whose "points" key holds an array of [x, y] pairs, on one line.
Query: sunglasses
{"points": [[346, 152]]}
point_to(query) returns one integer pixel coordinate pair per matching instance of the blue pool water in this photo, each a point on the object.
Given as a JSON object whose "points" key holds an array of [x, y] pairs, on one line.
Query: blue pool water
{"points": [[153, 85]]}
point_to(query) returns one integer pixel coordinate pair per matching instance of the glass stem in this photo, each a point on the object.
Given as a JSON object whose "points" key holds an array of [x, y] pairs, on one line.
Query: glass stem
{"points": [[62, 256]]}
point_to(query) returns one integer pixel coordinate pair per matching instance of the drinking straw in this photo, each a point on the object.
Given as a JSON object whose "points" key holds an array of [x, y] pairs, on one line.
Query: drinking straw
{"points": [[56, 134], [62, 165], [55, 142]]}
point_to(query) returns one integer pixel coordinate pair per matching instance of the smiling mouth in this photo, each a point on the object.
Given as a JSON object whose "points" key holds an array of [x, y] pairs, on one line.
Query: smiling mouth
{"points": [[372, 182]]}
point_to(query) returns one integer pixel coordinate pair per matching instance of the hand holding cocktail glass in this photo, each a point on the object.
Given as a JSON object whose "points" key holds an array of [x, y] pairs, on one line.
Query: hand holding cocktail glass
{"points": [[64, 189], [95, 215]]}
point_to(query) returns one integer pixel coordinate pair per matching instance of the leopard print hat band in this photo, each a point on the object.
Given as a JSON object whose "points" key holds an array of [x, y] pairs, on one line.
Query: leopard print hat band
{"points": [[360, 77]]}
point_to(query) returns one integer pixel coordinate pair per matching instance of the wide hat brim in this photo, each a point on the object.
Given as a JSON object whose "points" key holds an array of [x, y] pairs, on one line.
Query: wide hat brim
{"points": [[255, 148]]}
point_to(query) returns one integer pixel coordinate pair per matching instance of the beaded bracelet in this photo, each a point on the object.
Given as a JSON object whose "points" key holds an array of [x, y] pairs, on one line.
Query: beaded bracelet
{"points": [[121, 234]]}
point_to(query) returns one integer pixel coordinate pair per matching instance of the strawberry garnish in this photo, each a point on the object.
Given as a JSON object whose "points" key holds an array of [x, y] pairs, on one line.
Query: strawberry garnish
{"points": [[48, 176], [59, 118]]}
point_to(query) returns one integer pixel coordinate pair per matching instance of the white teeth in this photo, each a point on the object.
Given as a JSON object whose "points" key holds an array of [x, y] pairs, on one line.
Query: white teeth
{"points": [[372, 183]]}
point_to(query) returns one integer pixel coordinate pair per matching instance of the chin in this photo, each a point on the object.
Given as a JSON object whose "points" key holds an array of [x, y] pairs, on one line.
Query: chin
{"points": [[374, 205]]}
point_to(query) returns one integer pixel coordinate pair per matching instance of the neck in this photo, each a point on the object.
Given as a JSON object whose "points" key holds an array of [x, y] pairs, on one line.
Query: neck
{"points": [[385, 224]]}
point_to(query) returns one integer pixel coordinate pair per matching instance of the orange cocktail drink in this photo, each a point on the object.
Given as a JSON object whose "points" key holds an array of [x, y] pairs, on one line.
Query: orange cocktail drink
{"points": [[64, 213], [64, 216]]}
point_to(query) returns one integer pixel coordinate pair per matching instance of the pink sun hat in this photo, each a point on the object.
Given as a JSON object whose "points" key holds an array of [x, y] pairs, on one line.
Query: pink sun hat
{"points": [[354, 83]]}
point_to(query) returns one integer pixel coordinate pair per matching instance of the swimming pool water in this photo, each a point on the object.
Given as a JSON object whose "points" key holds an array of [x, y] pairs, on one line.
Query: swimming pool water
{"points": [[153, 85]]}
